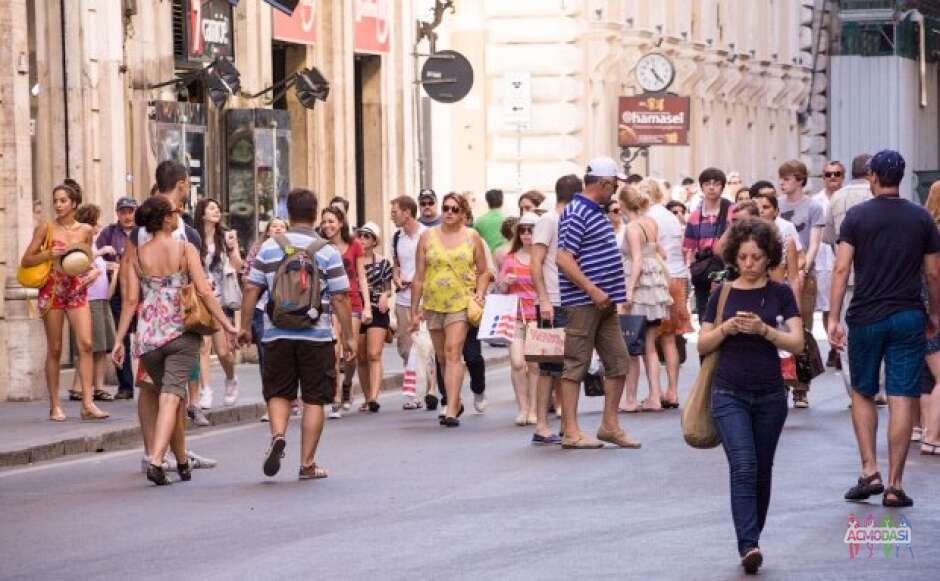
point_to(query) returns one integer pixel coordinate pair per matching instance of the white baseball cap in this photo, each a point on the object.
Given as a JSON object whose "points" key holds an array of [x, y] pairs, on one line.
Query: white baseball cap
{"points": [[604, 167]]}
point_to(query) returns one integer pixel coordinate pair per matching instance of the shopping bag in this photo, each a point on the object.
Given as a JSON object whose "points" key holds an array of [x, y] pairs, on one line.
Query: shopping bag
{"points": [[594, 380], [698, 427], [633, 328], [544, 345], [788, 368], [409, 383], [499, 318]]}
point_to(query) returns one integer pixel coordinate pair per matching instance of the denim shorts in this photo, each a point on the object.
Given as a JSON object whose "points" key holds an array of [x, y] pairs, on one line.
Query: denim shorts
{"points": [[901, 341]]}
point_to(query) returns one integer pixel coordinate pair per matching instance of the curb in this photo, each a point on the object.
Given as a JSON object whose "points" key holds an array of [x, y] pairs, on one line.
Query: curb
{"points": [[124, 438]]}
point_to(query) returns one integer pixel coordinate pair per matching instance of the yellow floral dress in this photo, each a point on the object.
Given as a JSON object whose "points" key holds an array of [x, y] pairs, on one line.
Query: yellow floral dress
{"points": [[450, 275]]}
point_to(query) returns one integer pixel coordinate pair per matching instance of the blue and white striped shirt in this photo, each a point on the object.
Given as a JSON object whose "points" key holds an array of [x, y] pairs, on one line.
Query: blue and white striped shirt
{"points": [[586, 233], [332, 280]]}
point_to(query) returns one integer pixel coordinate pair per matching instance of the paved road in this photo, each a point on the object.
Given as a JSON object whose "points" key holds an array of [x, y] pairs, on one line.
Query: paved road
{"points": [[407, 499]]}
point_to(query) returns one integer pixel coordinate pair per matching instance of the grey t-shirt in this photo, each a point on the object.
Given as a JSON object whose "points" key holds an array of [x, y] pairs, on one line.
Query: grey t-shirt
{"points": [[804, 215]]}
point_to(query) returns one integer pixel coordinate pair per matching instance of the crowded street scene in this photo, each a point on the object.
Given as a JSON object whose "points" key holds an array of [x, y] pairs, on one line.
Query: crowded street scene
{"points": [[470, 289]]}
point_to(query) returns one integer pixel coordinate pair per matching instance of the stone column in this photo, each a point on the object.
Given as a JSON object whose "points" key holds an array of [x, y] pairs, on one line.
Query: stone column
{"points": [[21, 333]]}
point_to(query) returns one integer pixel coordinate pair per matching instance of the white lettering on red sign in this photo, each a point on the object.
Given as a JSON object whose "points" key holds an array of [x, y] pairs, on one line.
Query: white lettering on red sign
{"points": [[377, 10]]}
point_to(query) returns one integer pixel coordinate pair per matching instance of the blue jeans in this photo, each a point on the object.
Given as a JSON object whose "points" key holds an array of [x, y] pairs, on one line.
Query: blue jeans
{"points": [[257, 331], [749, 426]]}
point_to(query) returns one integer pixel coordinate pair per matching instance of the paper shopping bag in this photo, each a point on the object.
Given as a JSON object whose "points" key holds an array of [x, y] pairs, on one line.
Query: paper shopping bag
{"points": [[544, 345], [409, 383], [499, 319]]}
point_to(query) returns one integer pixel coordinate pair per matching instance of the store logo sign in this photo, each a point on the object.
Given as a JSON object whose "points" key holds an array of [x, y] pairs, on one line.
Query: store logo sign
{"points": [[892, 536], [373, 25]]}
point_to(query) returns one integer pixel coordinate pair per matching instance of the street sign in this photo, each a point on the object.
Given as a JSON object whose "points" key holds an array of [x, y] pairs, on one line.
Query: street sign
{"points": [[447, 76], [517, 99], [653, 119]]}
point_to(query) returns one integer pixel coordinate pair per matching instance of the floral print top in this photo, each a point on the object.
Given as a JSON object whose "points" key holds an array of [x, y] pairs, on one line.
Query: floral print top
{"points": [[449, 276], [160, 314]]}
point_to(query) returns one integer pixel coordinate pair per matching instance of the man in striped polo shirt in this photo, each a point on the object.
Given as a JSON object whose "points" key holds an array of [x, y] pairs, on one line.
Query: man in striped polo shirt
{"points": [[592, 284], [303, 358]]}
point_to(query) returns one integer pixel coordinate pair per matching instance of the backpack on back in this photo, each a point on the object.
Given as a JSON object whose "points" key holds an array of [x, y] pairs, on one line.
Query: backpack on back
{"points": [[294, 299]]}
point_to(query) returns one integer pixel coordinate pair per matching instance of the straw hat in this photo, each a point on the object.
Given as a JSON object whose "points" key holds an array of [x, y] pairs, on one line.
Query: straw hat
{"points": [[76, 259]]}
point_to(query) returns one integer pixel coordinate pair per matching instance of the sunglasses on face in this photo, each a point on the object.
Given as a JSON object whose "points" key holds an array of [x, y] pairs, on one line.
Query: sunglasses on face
{"points": [[427, 204], [679, 212], [833, 174], [450, 209], [613, 211], [525, 229]]}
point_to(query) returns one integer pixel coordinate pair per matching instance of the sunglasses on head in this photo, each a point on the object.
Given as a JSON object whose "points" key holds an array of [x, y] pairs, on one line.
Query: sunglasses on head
{"points": [[448, 209], [833, 174]]}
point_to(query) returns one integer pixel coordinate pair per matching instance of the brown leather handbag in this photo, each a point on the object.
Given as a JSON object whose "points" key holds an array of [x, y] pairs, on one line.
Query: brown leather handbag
{"points": [[196, 316]]}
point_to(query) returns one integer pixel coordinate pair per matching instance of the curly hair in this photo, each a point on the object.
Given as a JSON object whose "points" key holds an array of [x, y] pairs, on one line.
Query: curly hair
{"points": [[761, 233], [151, 214]]}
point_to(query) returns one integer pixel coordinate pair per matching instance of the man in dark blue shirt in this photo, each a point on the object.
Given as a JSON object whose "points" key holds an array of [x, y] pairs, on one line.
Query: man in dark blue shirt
{"points": [[891, 243]]}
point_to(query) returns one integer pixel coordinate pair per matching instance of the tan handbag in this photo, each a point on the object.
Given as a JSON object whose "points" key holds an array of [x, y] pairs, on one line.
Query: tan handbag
{"points": [[698, 427], [196, 316]]}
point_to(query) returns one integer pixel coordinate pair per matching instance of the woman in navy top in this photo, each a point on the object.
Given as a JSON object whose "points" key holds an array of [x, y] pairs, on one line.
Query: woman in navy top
{"points": [[749, 403]]}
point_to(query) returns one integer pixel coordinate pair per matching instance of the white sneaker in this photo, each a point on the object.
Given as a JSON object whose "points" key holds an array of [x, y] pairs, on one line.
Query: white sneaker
{"points": [[521, 419], [479, 402], [335, 413], [196, 461], [231, 392], [168, 465], [205, 398]]}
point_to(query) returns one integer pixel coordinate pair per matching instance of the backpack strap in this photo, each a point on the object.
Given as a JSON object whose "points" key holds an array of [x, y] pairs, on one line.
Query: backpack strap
{"points": [[283, 242], [315, 246], [395, 238]]}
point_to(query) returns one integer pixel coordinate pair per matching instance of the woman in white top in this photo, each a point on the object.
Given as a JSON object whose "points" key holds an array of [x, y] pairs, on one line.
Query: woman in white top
{"points": [[789, 269]]}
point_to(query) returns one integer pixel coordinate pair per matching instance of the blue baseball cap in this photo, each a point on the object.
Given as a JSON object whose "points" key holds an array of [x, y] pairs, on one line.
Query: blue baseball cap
{"points": [[888, 165]]}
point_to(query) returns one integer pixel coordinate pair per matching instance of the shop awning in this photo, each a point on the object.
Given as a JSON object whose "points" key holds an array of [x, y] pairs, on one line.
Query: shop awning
{"points": [[285, 6]]}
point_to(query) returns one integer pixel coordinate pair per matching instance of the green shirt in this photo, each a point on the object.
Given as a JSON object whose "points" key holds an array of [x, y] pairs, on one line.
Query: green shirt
{"points": [[489, 225]]}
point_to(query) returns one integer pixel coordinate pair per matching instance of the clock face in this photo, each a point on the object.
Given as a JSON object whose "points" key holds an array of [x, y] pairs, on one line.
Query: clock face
{"points": [[654, 72]]}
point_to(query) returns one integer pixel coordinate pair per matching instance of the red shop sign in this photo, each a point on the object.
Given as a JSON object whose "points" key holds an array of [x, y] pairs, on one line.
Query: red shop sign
{"points": [[373, 25], [300, 27], [653, 120]]}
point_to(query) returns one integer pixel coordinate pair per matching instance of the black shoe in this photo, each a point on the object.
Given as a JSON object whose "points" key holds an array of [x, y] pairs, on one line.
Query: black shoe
{"points": [[156, 475], [899, 500], [833, 359], [450, 422], [864, 489], [430, 402], [374, 407], [275, 452], [752, 561], [185, 471], [460, 413], [124, 394]]}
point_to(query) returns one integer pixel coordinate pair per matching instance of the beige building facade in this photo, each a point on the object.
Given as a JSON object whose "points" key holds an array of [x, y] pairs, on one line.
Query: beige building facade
{"points": [[77, 100], [745, 65]]}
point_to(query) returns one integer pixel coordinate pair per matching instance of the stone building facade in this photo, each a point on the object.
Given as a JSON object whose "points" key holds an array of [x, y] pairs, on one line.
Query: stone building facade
{"points": [[745, 64], [77, 100]]}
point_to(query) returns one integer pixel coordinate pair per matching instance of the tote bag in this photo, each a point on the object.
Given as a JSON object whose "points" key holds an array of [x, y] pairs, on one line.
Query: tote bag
{"points": [[698, 428]]}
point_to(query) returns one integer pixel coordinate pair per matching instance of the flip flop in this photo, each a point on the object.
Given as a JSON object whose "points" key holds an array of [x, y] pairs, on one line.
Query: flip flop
{"points": [[934, 449], [102, 395]]}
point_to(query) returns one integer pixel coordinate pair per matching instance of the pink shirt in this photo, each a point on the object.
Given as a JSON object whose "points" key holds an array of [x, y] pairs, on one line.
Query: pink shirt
{"points": [[523, 287]]}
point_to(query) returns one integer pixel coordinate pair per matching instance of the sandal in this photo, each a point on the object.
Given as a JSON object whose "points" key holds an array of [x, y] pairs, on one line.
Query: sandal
{"points": [[645, 407], [901, 499], [412, 404], [102, 395], [669, 405], [928, 449], [57, 415], [865, 487], [312, 472], [75, 395]]}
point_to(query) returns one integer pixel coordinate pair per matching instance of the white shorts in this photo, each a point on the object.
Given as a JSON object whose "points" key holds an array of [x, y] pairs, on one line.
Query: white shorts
{"points": [[823, 286]]}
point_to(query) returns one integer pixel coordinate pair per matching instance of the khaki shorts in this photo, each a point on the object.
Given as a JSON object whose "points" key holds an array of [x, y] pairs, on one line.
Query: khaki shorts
{"points": [[591, 328], [437, 321], [169, 367]]}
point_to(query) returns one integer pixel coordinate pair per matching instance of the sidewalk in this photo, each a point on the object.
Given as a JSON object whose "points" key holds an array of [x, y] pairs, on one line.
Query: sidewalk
{"points": [[26, 436]]}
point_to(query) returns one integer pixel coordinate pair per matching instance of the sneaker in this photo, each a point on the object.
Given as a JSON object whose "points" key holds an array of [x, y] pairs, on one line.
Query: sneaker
{"points": [[124, 394], [479, 402], [800, 400], [752, 561], [231, 392], [336, 412], [205, 398], [347, 405], [265, 418], [196, 415], [549, 440], [200, 462], [272, 461]]}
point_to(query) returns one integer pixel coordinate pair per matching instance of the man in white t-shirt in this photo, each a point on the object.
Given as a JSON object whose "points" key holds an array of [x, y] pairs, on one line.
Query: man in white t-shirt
{"points": [[670, 238], [404, 253], [833, 178], [545, 278]]}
